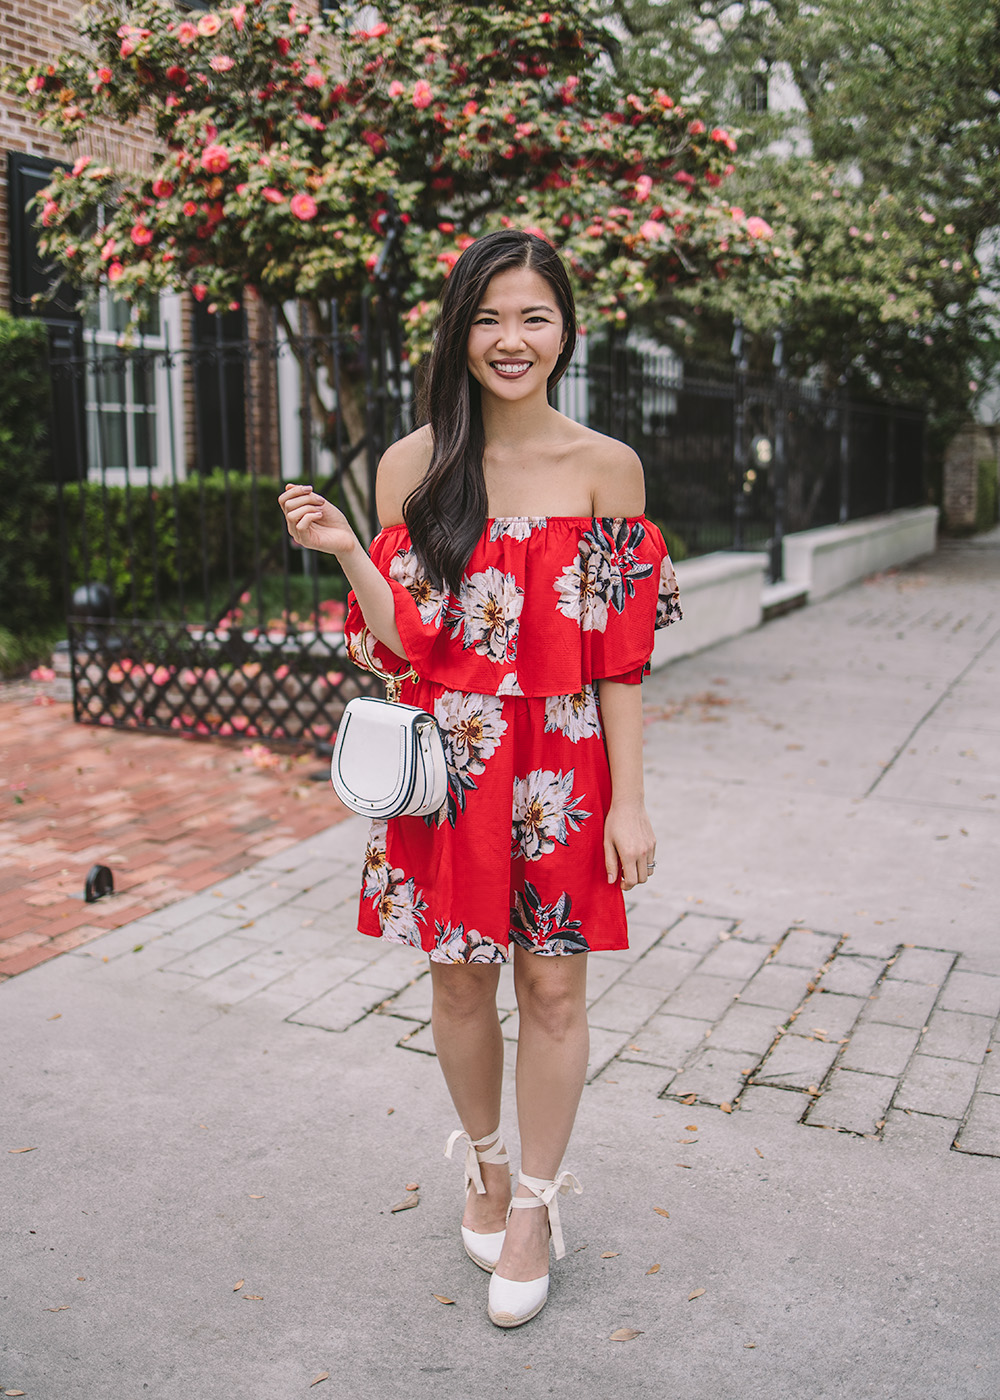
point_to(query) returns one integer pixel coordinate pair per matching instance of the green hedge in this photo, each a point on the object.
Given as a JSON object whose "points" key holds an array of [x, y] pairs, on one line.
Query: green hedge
{"points": [[986, 495], [29, 544]]}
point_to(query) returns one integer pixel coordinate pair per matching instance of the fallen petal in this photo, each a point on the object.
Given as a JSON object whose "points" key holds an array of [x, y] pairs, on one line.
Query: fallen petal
{"points": [[653, 1269], [323, 1376], [625, 1334], [407, 1203], [442, 1299], [610, 1254], [696, 1294], [660, 1211]]}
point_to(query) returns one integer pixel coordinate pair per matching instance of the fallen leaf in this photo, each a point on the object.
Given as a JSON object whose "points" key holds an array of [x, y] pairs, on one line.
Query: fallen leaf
{"points": [[389, 1112], [323, 1376], [660, 1211], [813, 1089], [726, 1107], [442, 1299], [238, 1286], [203, 1125], [610, 1254], [758, 1152], [254, 1297], [63, 1308], [696, 1294], [635, 1047], [56, 1017], [690, 1099], [690, 1127], [256, 1198], [749, 1346], [684, 1141], [686, 1165], [412, 1186], [625, 1334], [15, 1150], [13, 1392], [653, 1269], [407, 1203]]}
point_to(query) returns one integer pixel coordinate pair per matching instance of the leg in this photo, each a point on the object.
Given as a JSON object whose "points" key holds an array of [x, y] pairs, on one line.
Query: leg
{"points": [[469, 1046], [552, 1050]]}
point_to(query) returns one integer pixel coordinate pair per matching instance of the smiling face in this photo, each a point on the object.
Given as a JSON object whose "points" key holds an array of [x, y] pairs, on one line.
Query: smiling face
{"points": [[516, 335]]}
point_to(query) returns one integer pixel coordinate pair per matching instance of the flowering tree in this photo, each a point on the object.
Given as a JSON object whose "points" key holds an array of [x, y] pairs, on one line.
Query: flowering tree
{"points": [[281, 142]]}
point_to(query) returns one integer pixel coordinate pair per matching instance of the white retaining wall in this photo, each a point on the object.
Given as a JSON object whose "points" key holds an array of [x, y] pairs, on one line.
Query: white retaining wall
{"points": [[720, 598]]}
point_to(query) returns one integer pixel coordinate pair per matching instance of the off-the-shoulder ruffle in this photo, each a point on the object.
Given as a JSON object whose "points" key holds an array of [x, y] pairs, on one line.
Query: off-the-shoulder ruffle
{"points": [[547, 605]]}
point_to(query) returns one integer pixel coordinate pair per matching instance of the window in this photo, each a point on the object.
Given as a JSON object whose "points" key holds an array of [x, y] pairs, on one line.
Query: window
{"points": [[755, 96]]}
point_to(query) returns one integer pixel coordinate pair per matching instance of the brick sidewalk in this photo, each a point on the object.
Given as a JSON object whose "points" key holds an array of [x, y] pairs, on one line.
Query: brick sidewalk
{"points": [[170, 816]]}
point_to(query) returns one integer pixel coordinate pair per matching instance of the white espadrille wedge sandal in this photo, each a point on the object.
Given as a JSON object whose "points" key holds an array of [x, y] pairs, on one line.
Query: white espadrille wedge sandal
{"points": [[512, 1303], [483, 1250]]}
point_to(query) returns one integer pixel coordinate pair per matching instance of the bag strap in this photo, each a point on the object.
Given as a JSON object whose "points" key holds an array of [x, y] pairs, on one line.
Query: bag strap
{"points": [[393, 679]]}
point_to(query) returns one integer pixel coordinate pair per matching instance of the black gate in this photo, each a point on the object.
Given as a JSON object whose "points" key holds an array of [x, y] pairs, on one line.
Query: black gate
{"points": [[190, 609]]}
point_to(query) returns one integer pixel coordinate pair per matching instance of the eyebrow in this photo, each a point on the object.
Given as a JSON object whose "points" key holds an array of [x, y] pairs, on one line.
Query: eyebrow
{"points": [[489, 310]]}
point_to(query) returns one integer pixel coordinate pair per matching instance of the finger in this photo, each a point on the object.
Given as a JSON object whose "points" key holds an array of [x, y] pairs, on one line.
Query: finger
{"points": [[610, 862]]}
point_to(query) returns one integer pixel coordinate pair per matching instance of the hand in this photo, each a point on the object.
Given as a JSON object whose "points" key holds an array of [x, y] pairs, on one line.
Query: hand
{"points": [[313, 522], [629, 843]]}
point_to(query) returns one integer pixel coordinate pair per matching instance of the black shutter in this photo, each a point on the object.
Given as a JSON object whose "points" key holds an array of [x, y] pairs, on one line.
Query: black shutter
{"points": [[30, 275]]}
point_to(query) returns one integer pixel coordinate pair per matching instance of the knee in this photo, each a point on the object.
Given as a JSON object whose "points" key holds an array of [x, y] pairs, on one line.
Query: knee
{"points": [[460, 995], [555, 1005]]}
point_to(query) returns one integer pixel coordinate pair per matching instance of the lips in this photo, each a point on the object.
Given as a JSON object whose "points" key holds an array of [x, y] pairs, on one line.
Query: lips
{"points": [[511, 369]]}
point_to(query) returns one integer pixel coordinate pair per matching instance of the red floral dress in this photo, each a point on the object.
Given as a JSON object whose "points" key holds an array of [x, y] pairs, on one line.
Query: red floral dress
{"points": [[547, 607]]}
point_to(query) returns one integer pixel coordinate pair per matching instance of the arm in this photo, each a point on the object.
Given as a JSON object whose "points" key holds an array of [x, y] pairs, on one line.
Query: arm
{"points": [[629, 843]]}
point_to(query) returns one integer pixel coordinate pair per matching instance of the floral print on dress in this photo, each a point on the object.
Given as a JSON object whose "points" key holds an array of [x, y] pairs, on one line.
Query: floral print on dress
{"points": [[471, 729], [375, 871], [405, 568], [545, 928], [668, 607], [604, 572], [510, 685], [487, 612], [516, 527], [544, 813], [575, 716], [397, 900], [452, 944]]}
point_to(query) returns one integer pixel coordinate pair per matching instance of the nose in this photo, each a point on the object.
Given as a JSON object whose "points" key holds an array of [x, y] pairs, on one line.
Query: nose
{"points": [[510, 337]]}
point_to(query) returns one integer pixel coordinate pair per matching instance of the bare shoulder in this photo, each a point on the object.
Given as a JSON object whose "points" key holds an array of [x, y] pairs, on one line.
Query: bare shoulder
{"points": [[401, 468], [618, 486]]}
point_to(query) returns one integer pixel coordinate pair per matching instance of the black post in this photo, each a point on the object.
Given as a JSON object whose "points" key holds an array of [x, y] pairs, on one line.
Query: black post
{"points": [[779, 467], [740, 459], [844, 413], [890, 465]]}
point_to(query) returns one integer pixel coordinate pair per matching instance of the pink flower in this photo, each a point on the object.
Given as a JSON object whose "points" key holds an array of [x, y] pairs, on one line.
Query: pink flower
{"points": [[209, 25], [190, 208], [643, 188], [684, 178], [127, 48], [282, 45], [102, 77], [652, 229], [272, 195], [737, 212], [854, 231], [215, 159], [314, 78], [187, 33], [926, 218], [108, 250], [697, 127], [163, 189], [396, 88], [141, 235], [303, 206], [238, 14], [199, 293], [35, 84], [177, 75], [115, 271], [449, 259], [759, 228], [423, 94], [712, 180], [312, 121], [49, 212], [221, 63]]}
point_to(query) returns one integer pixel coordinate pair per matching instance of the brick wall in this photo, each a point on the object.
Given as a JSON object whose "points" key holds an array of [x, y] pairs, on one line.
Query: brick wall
{"points": [[971, 445]]}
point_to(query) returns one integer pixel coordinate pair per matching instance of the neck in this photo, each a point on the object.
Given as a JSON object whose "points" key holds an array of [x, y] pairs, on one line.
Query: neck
{"points": [[513, 424]]}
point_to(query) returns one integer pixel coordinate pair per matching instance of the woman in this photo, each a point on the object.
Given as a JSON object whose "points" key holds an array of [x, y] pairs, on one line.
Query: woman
{"points": [[515, 572]]}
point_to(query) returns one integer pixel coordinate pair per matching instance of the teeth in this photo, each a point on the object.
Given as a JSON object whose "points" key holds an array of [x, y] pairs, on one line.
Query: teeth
{"points": [[511, 369]]}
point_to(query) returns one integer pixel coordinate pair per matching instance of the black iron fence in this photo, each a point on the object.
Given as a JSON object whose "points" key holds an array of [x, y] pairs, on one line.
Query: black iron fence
{"points": [[190, 608]]}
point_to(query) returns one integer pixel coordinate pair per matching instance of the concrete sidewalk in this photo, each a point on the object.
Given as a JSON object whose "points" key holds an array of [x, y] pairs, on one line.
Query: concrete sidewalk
{"points": [[793, 1108]]}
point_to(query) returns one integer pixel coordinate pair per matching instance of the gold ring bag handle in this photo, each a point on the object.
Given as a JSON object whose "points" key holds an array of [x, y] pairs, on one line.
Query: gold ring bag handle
{"points": [[393, 679]]}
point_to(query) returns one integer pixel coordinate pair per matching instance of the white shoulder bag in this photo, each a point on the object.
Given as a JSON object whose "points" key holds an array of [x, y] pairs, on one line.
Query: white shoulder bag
{"points": [[388, 759]]}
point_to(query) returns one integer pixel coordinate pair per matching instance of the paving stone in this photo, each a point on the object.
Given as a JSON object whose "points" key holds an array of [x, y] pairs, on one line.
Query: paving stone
{"points": [[919, 1131], [857, 1102], [696, 933], [421, 1040], [762, 1100], [734, 958], [338, 1008], [876, 1048], [601, 974], [954, 1035], [901, 1004], [413, 1002], [319, 975], [329, 894], [989, 1079], [252, 903], [392, 971], [972, 992], [750, 1029], [665, 968], [281, 958], [715, 1075], [942, 1087], [803, 948], [780, 987], [828, 1011], [852, 975], [797, 1063], [623, 1008], [233, 985], [214, 957], [981, 1133], [926, 965], [623, 1076], [641, 937], [704, 998], [604, 1046], [667, 1040]]}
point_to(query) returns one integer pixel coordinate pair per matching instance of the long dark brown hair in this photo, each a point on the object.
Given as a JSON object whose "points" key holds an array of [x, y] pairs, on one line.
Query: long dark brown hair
{"points": [[446, 513]]}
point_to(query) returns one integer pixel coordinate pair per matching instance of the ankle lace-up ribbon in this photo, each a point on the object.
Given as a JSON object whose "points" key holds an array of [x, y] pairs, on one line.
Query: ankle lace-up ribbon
{"points": [[546, 1193], [485, 1149]]}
